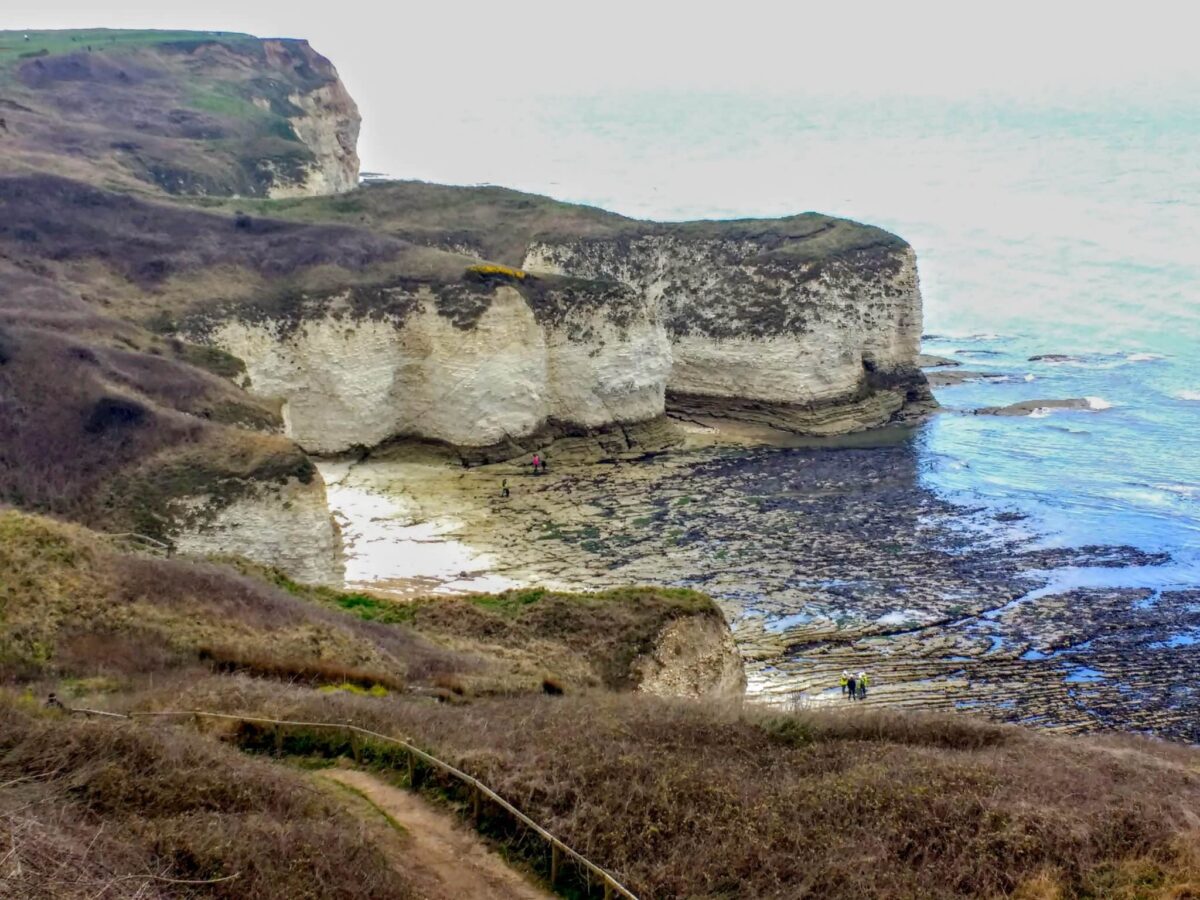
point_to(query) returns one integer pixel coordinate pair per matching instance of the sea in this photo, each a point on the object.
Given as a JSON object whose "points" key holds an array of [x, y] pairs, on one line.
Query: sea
{"points": [[1066, 227]]}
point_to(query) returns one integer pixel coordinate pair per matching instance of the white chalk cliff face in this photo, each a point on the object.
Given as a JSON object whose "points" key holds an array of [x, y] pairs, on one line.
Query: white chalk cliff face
{"points": [[327, 124], [502, 364], [288, 526], [812, 343]]}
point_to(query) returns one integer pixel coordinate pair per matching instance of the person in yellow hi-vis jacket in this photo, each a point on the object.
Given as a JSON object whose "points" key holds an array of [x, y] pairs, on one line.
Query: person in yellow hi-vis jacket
{"points": [[845, 681], [863, 681]]}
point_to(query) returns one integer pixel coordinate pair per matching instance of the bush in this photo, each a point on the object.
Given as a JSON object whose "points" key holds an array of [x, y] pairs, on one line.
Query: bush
{"points": [[97, 807]]}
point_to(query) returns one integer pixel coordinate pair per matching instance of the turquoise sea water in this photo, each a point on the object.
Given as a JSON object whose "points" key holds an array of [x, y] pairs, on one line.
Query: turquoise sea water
{"points": [[1067, 227]]}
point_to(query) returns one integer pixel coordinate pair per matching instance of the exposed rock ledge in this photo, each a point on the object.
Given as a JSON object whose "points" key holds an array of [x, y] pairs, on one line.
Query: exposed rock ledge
{"points": [[288, 526], [694, 657], [479, 364], [773, 327], [1033, 407]]}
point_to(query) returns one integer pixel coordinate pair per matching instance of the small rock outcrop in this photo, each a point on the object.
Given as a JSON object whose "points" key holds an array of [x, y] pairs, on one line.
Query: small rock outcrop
{"points": [[693, 657], [1035, 407], [288, 526]]}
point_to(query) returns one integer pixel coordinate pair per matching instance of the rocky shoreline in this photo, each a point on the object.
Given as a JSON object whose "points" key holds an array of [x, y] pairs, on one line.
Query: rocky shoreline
{"points": [[824, 556]]}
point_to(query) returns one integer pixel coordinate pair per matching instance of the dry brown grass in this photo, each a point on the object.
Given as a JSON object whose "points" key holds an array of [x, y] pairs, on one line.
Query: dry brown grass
{"points": [[71, 605], [96, 808], [575, 640], [695, 800], [296, 671]]}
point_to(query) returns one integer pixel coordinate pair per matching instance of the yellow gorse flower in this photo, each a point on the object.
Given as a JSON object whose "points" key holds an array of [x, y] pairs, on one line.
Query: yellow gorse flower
{"points": [[496, 269]]}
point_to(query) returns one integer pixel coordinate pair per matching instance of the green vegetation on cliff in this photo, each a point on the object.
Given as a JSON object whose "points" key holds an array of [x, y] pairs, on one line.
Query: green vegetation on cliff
{"points": [[180, 112], [500, 223]]}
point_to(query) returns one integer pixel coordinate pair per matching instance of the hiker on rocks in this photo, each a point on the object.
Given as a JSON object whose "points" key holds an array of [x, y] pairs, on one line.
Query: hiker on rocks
{"points": [[52, 702], [537, 464], [852, 687], [862, 685], [844, 681], [543, 465], [504, 488]]}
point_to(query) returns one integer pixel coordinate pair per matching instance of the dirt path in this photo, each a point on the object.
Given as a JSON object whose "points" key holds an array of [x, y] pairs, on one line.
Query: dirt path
{"points": [[444, 861]]}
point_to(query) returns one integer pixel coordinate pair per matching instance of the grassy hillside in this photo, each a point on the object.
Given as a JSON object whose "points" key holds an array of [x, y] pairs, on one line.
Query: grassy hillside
{"points": [[532, 639], [686, 799], [499, 223], [91, 809], [76, 606], [680, 799], [175, 112]]}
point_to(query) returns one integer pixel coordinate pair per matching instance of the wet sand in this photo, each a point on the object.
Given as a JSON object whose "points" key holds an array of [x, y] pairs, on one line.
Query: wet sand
{"points": [[824, 555]]}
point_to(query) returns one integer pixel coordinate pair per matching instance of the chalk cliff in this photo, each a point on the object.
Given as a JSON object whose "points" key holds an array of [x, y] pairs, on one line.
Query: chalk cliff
{"points": [[693, 657], [175, 339], [189, 113], [808, 323], [325, 119], [478, 363], [807, 330], [287, 525]]}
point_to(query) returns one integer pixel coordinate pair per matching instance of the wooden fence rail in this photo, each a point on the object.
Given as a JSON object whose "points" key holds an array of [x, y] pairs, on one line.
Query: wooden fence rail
{"points": [[145, 542], [558, 849]]}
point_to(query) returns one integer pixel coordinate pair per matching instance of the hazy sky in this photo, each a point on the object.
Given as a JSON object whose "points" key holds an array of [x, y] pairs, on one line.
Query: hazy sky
{"points": [[409, 63]]}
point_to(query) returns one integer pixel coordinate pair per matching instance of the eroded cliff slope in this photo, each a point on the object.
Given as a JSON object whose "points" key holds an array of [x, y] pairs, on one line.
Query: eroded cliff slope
{"points": [[193, 113]]}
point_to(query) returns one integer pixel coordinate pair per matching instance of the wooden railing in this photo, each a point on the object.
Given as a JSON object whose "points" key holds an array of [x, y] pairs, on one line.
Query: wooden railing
{"points": [[142, 541], [479, 790]]}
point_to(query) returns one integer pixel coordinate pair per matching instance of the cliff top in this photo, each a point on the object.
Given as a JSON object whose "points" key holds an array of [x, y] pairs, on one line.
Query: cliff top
{"points": [[500, 223], [169, 111]]}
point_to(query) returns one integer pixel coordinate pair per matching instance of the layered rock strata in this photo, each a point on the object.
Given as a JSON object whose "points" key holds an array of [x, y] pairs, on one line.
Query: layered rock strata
{"points": [[765, 332], [478, 364]]}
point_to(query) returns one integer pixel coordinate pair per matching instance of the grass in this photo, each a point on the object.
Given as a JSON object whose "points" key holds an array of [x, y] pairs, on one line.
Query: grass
{"points": [[221, 100], [523, 637], [578, 639], [680, 799], [14, 46], [499, 224], [73, 606], [708, 800], [95, 807], [373, 806]]}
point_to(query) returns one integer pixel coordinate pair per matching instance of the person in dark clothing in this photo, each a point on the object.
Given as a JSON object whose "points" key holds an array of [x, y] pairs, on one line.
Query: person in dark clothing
{"points": [[543, 465], [852, 686]]}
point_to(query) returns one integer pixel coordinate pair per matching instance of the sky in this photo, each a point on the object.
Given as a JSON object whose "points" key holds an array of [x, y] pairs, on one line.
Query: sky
{"points": [[411, 64]]}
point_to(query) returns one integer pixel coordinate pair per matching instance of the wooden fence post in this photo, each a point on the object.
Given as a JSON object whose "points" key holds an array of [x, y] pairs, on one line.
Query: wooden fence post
{"points": [[412, 770], [355, 748], [553, 864], [607, 889], [279, 740], [475, 804]]}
